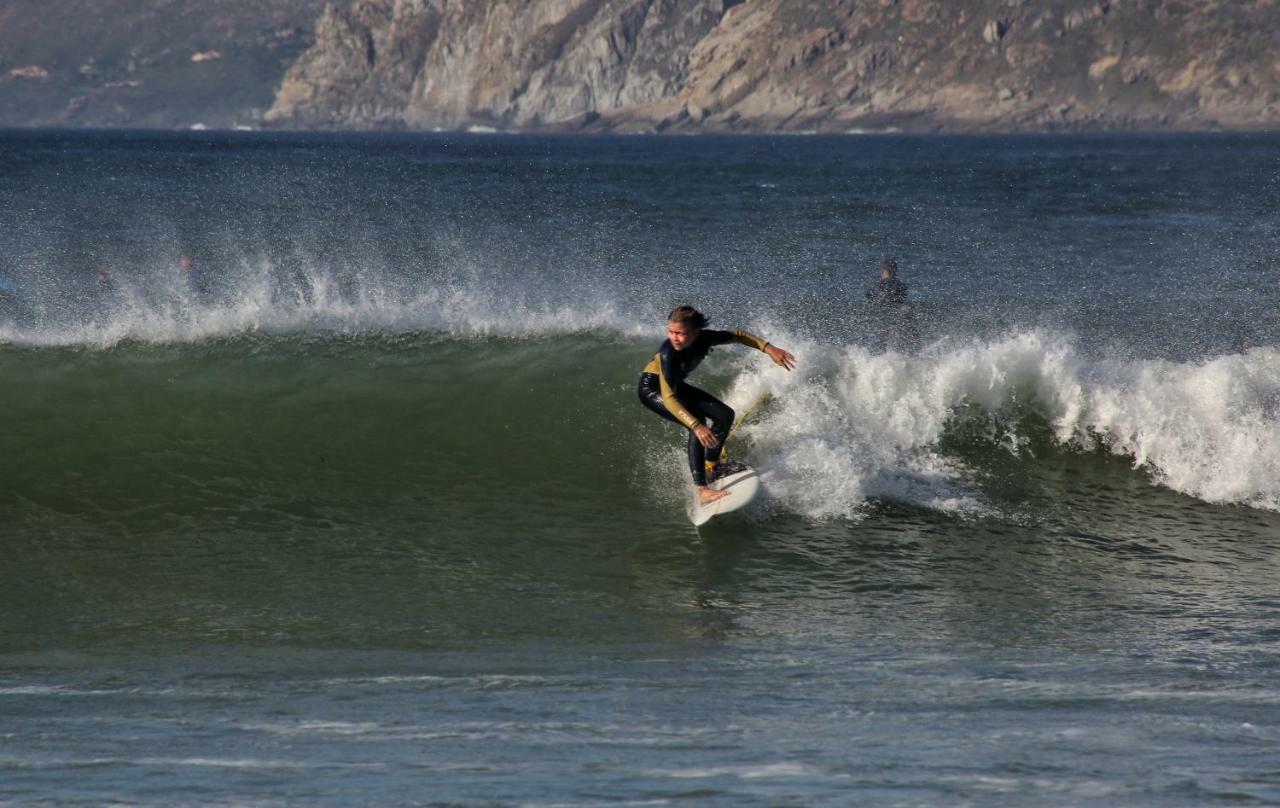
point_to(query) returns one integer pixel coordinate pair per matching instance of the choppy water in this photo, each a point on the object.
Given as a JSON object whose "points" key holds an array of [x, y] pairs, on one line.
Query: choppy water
{"points": [[367, 510]]}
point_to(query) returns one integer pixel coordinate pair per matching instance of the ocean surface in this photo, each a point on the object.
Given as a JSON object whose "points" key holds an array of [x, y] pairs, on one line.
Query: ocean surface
{"points": [[323, 479]]}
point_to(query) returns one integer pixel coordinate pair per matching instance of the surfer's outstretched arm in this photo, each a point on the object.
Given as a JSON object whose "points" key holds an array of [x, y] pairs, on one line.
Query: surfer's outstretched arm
{"points": [[780, 357]]}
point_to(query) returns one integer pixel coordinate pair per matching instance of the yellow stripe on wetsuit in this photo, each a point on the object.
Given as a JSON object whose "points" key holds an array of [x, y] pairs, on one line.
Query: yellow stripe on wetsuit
{"points": [[669, 399]]}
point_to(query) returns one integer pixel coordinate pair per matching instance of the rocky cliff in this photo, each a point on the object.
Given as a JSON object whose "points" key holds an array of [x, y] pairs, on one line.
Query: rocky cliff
{"points": [[639, 65], [436, 63], [784, 65]]}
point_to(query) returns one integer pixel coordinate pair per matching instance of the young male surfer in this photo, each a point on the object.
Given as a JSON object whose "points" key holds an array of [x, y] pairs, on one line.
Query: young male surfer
{"points": [[663, 389]]}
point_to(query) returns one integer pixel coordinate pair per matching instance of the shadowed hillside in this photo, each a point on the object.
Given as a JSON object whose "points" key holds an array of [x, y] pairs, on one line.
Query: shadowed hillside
{"points": [[146, 63]]}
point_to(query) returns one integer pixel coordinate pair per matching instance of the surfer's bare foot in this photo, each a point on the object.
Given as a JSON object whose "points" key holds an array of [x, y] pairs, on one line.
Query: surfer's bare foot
{"points": [[708, 495]]}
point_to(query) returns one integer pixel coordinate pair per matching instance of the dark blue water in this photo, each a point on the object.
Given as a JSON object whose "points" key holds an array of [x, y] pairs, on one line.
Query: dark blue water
{"points": [[325, 480]]}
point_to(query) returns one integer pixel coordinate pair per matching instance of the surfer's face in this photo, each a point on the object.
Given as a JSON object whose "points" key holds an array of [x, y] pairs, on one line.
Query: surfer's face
{"points": [[681, 334]]}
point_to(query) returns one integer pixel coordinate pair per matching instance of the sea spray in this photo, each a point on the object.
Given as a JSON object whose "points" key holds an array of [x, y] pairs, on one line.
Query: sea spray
{"points": [[850, 424], [152, 306]]}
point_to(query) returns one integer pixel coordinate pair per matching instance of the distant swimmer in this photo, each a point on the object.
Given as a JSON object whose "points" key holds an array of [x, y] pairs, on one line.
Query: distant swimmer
{"points": [[663, 389], [889, 291], [892, 307], [192, 276], [106, 284]]}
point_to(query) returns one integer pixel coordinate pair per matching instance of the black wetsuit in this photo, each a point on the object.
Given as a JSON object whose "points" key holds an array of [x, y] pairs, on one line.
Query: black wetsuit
{"points": [[896, 327], [888, 292], [663, 390]]}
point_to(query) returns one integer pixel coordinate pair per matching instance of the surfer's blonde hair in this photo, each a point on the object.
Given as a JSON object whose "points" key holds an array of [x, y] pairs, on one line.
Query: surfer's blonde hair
{"points": [[689, 315]]}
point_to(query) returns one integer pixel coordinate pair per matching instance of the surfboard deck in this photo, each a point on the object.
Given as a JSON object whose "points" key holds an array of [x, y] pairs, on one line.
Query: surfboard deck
{"points": [[742, 487]]}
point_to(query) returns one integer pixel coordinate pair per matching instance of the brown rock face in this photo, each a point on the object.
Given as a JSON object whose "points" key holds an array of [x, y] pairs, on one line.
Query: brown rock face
{"points": [[368, 56], [522, 63], [823, 65], [637, 65]]}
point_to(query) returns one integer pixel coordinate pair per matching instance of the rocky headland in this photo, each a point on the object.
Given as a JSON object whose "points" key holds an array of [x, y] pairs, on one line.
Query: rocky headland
{"points": [[782, 65], [660, 65]]}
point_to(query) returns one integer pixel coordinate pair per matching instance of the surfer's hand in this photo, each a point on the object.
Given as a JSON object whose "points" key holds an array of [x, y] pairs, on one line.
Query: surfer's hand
{"points": [[781, 357], [705, 436]]}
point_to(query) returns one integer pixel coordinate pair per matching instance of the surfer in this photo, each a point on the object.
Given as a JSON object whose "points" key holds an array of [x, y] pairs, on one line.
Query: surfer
{"points": [[663, 389], [888, 296]]}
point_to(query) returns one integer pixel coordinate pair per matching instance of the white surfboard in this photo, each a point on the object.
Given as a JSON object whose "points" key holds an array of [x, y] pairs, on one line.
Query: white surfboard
{"points": [[742, 487]]}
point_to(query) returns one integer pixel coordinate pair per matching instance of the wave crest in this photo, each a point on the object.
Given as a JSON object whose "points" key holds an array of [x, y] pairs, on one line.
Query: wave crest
{"points": [[851, 425], [160, 307]]}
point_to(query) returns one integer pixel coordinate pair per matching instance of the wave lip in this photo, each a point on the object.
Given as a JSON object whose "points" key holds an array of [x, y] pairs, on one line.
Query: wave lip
{"points": [[852, 425], [320, 301]]}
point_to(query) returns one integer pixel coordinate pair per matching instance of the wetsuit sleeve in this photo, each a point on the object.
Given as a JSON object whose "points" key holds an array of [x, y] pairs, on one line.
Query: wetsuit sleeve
{"points": [[747, 338], [736, 335], [669, 399]]}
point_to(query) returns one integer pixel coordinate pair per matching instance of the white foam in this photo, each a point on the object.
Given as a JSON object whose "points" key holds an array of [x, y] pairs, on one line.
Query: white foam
{"points": [[847, 425], [250, 763], [52, 690], [339, 728], [767, 771], [1211, 430], [154, 305]]}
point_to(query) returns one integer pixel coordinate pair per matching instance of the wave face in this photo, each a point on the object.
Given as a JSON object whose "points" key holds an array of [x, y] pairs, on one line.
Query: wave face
{"points": [[271, 435], [209, 296]]}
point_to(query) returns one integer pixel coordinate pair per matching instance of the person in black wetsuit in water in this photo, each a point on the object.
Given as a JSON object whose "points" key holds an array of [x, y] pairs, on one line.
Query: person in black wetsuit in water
{"points": [[663, 389], [895, 317]]}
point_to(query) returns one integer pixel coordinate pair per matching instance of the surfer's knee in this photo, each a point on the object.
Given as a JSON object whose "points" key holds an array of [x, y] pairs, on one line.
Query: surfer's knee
{"points": [[723, 417]]}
